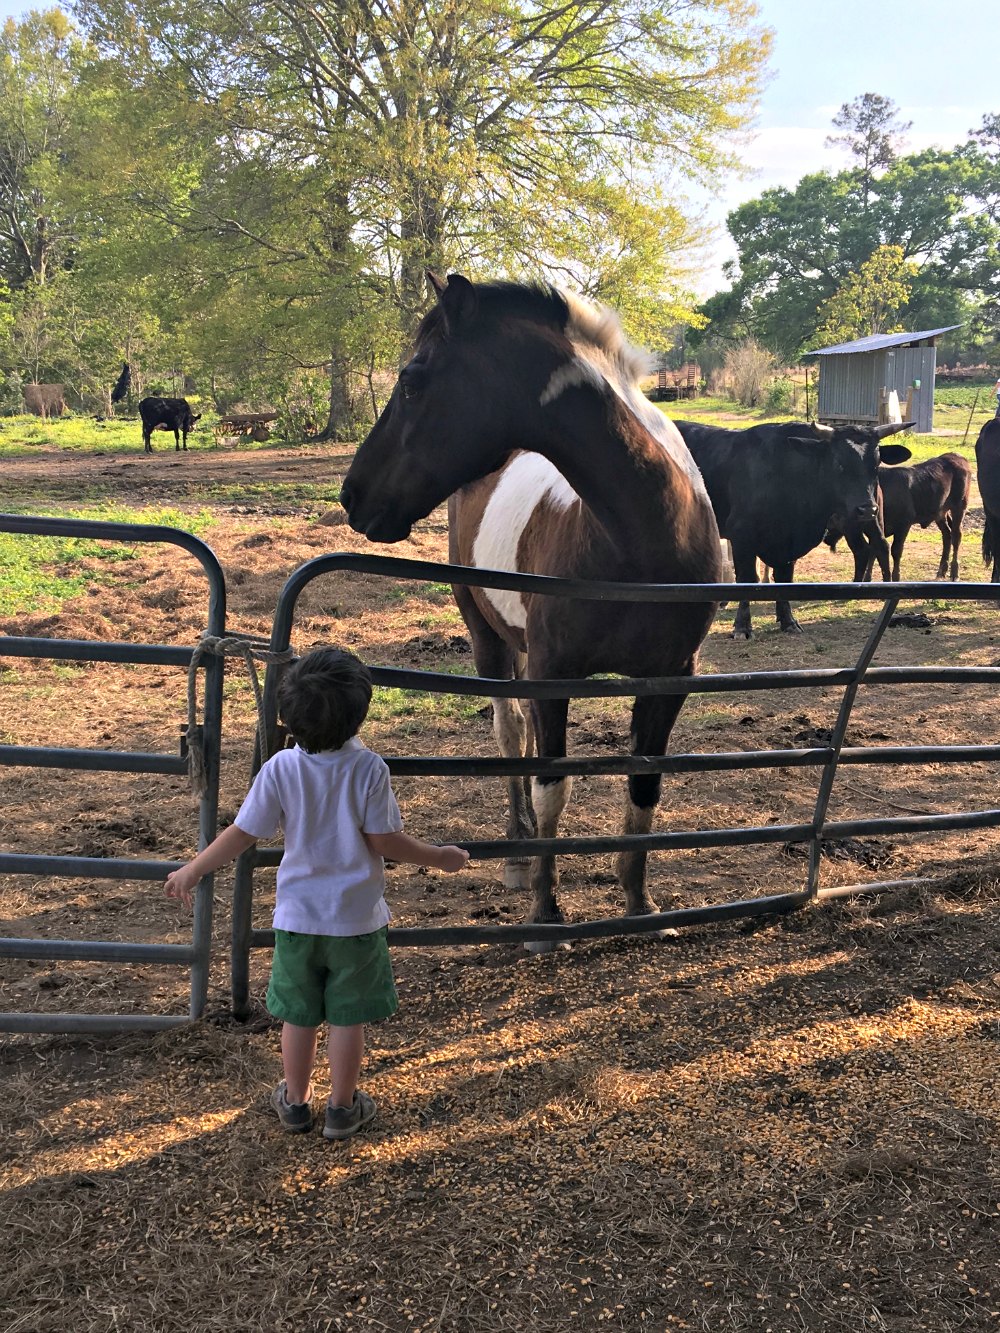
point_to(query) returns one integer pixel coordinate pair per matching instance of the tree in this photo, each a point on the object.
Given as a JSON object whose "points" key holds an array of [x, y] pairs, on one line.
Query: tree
{"points": [[869, 301], [798, 247], [40, 60], [397, 137], [873, 134]]}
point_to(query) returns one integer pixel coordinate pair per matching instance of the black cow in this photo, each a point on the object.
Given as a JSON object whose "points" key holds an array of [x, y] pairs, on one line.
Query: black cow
{"points": [[775, 487], [170, 413], [935, 491], [988, 476]]}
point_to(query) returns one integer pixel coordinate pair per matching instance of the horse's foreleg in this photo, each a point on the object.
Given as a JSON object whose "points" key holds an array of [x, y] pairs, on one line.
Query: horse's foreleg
{"points": [[653, 719], [549, 797], [496, 660], [512, 733]]}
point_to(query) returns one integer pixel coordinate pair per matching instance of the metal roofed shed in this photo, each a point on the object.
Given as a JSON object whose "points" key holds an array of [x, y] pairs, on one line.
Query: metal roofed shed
{"points": [[856, 379]]}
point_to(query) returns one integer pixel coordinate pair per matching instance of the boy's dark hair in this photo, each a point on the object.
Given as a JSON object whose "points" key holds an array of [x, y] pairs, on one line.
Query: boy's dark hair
{"points": [[323, 698]]}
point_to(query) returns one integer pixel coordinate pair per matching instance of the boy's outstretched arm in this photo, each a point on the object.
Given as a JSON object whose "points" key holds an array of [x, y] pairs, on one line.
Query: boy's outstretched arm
{"points": [[401, 847], [226, 847]]}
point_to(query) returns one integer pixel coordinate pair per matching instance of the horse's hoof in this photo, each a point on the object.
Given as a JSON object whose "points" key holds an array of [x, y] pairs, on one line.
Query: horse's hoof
{"points": [[793, 628], [742, 634], [545, 946], [516, 875]]}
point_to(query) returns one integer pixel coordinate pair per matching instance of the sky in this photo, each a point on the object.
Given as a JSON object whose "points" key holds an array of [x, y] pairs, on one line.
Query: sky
{"points": [[934, 58]]}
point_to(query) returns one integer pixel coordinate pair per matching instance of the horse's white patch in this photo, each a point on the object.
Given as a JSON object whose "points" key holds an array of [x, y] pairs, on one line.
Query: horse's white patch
{"points": [[638, 818], [524, 483], [509, 727], [549, 801], [577, 371]]}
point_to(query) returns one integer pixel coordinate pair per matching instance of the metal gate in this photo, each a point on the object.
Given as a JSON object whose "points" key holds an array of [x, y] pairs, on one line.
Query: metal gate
{"points": [[196, 954], [826, 758]]}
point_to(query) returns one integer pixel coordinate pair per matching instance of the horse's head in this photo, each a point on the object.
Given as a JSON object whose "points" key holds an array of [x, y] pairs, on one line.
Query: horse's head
{"points": [[482, 356]]}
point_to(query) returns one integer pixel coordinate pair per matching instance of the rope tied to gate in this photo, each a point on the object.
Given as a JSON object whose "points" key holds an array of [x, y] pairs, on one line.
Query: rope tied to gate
{"points": [[252, 650]]}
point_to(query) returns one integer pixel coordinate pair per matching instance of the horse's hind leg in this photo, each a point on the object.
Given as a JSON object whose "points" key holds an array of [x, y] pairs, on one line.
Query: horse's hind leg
{"points": [[653, 719], [496, 660]]}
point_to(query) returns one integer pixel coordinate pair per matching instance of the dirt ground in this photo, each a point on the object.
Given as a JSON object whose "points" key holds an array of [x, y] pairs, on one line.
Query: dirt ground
{"points": [[781, 1124]]}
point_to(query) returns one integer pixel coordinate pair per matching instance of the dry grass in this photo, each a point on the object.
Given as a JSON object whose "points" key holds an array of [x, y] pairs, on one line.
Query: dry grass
{"points": [[784, 1125]]}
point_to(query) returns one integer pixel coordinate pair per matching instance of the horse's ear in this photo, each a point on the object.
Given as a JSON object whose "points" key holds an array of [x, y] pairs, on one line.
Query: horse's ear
{"points": [[437, 284], [458, 301]]}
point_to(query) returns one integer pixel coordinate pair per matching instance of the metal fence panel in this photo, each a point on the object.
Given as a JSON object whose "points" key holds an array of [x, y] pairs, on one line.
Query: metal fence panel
{"points": [[827, 758], [196, 955]]}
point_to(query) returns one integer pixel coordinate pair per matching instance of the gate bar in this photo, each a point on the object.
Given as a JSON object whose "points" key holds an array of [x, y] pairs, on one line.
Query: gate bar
{"points": [[404, 766], [96, 761], [198, 953]]}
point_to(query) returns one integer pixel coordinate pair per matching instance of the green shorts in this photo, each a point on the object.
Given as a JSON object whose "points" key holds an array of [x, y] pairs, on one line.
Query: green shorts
{"points": [[344, 979]]}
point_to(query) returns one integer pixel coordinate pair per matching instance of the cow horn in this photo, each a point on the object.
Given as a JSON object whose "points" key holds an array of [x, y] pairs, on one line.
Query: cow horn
{"points": [[891, 428], [824, 432]]}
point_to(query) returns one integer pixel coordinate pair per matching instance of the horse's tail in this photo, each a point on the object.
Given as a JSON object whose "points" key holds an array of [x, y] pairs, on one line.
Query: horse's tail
{"points": [[988, 551]]}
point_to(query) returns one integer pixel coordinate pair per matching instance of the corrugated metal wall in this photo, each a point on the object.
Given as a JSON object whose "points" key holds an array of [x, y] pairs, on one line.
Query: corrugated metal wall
{"points": [[909, 364], [850, 384], [847, 387]]}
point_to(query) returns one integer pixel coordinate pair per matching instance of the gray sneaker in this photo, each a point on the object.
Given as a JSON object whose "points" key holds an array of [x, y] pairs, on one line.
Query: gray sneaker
{"points": [[296, 1117], [343, 1121]]}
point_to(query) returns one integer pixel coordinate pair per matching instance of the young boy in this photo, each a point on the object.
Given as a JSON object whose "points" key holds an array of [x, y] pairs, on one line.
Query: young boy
{"points": [[332, 798]]}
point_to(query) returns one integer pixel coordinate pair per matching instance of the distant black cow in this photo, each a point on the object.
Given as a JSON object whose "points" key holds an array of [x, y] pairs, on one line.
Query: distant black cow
{"points": [[170, 413], [935, 491], [774, 489], [988, 476]]}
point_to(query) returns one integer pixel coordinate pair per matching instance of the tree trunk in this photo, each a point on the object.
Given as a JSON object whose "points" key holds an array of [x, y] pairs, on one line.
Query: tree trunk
{"points": [[342, 422]]}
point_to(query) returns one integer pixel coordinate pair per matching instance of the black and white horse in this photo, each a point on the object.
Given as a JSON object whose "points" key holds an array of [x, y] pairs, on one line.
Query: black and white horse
{"points": [[520, 403]]}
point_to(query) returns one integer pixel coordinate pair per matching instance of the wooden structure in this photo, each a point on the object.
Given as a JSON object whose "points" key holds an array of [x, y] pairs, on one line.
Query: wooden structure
{"points": [[672, 385], [244, 425], [857, 379]]}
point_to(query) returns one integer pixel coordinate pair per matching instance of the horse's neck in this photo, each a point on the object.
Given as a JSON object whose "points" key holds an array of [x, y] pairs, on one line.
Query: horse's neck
{"points": [[641, 495]]}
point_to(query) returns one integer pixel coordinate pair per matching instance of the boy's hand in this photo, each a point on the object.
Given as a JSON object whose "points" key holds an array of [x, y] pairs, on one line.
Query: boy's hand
{"points": [[180, 883], [452, 858]]}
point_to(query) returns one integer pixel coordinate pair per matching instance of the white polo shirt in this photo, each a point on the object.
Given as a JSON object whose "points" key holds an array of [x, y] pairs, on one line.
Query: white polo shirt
{"points": [[329, 880]]}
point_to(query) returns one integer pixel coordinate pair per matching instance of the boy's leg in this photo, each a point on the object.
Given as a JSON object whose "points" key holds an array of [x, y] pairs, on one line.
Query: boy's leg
{"points": [[346, 1048], [298, 1055]]}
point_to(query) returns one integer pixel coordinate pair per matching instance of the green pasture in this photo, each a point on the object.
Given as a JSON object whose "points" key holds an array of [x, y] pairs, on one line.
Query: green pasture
{"points": [[21, 435], [40, 573]]}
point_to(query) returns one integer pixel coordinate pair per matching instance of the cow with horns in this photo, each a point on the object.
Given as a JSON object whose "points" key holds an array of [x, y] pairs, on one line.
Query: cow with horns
{"points": [[520, 403], [775, 488]]}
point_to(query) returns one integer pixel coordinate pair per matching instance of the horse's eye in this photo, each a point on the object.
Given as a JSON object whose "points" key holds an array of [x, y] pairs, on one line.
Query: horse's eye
{"points": [[412, 381]]}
